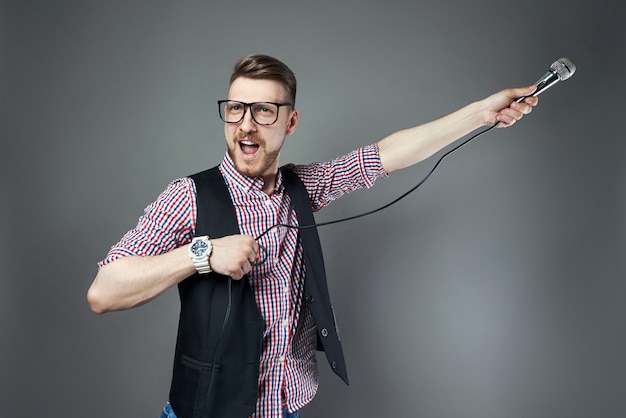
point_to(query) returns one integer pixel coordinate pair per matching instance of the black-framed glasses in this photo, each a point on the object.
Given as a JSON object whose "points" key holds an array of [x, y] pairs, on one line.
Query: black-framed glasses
{"points": [[263, 113]]}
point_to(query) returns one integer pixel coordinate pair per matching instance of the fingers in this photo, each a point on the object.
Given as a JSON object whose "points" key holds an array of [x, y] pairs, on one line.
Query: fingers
{"points": [[237, 274], [508, 116], [261, 256], [505, 107], [517, 109], [514, 93], [233, 255]]}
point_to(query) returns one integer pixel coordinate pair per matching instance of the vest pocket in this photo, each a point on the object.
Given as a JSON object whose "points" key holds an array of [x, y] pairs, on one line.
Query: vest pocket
{"points": [[197, 364], [191, 373]]}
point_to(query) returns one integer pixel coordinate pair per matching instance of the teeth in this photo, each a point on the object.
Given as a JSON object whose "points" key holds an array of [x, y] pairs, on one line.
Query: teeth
{"points": [[250, 143]]}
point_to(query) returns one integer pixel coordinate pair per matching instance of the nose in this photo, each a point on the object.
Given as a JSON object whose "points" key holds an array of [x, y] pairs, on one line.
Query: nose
{"points": [[247, 124]]}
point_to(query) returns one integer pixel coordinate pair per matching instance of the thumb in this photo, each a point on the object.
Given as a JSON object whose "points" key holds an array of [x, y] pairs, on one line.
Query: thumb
{"points": [[523, 91]]}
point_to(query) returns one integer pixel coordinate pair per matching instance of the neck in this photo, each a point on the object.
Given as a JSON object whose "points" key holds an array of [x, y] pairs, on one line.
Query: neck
{"points": [[269, 183]]}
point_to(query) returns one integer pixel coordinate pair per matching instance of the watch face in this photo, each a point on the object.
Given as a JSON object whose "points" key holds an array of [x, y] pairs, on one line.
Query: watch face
{"points": [[199, 248]]}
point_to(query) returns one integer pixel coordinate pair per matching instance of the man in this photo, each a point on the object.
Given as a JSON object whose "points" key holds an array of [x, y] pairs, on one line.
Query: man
{"points": [[254, 298]]}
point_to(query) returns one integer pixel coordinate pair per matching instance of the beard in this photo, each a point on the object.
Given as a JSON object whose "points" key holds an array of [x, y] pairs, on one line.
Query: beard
{"points": [[263, 159]]}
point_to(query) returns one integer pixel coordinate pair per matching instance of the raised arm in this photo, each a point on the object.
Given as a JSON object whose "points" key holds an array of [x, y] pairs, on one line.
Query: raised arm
{"points": [[410, 146]]}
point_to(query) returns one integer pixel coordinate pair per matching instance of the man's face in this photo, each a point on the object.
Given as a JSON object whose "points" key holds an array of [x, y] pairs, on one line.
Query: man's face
{"points": [[255, 148]]}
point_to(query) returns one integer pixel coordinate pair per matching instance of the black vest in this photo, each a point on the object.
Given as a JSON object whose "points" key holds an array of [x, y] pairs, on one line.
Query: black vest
{"points": [[220, 331]]}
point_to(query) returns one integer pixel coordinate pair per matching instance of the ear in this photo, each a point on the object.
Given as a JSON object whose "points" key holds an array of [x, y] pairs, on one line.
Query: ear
{"points": [[292, 123]]}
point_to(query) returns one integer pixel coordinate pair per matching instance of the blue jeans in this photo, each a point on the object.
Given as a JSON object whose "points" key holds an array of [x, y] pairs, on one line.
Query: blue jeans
{"points": [[168, 413]]}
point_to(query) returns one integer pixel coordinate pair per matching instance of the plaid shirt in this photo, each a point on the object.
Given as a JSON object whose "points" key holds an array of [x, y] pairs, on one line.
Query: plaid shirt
{"points": [[288, 368]]}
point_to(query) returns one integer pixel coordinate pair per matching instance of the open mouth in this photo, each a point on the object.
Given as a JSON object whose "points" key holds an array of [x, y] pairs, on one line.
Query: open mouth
{"points": [[248, 147]]}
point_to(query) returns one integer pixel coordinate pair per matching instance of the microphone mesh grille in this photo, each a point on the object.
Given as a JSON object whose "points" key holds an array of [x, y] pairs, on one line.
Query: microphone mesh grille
{"points": [[564, 68]]}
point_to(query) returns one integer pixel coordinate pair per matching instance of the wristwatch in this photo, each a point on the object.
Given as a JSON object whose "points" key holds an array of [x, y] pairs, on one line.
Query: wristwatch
{"points": [[200, 251]]}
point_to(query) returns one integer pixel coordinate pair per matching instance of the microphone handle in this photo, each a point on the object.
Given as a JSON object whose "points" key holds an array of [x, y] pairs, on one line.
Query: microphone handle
{"points": [[548, 80]]}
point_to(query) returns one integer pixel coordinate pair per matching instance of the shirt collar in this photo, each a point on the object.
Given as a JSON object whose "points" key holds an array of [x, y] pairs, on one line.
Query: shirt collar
{"points": [[245, 183]]}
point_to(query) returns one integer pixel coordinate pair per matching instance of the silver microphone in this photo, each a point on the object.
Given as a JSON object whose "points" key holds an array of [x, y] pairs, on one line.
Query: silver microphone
{"points": [[560, 70]]}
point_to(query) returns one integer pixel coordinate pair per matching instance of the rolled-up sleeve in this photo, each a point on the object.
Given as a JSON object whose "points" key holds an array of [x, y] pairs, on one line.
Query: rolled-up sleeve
{"points": [[167, 223], [326, 182]]}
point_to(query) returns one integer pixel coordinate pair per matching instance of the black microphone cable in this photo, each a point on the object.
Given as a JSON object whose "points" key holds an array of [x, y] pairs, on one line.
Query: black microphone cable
{"points": [[560, 70], [219, 338], [263, 250]]}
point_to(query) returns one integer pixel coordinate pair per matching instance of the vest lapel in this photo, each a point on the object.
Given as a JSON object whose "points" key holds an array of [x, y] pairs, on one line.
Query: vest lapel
{"points": [[316, 295]]}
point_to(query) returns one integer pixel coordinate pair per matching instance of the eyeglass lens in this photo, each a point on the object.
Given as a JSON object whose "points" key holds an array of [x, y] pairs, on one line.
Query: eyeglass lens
{"points": [[262, 112]]}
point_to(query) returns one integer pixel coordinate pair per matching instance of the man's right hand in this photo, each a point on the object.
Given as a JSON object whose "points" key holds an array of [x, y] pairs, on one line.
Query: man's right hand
{"points": [[233, 255]]}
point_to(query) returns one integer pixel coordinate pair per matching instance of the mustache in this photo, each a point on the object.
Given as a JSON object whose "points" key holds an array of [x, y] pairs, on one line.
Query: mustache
{"points": [[256, 138]]}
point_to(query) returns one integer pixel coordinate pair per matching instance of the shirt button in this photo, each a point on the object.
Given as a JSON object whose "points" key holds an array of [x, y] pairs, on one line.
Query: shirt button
{"points": [[275, 261], [281, 359], [285, 323], [268, 202], [286, 289], [324, 332]]}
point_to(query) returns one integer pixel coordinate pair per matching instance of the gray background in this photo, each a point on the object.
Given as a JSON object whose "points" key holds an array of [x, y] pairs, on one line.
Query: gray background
{"points": [[496, 290]]}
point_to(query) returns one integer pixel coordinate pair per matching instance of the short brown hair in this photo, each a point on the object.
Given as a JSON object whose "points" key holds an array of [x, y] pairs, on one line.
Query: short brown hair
{"points": [[264, 67]]}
